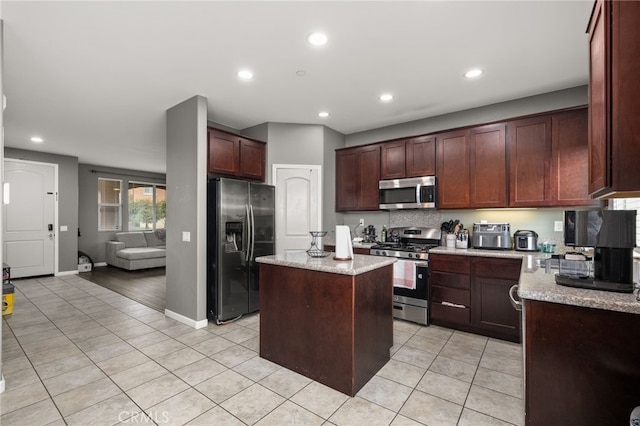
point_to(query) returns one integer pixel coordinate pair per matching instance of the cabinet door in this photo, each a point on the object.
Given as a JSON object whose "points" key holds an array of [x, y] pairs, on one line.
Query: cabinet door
{"points": [[491, 308], [347, 180], [252, 159], [224, 153], [453, 170], [570, 152], [599, 141], [369, 178], [420, 156], [488, 166], [392, 160], [529, 144], [625, 97], [357, 177]]}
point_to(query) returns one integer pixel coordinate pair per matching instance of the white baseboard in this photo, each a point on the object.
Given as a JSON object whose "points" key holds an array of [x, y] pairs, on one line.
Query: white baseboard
{"points": [[100, 264], [186, 321], [59, 274], [1, 384]]}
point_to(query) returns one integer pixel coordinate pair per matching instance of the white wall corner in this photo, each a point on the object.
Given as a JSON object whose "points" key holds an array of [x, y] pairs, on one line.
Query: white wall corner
{"points": [[186, 321]]}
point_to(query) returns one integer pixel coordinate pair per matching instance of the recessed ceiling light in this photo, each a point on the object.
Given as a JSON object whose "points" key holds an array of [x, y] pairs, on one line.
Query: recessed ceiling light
{"points": [[323, 114], [245, 74], [473, 73], [386, 97], [37, 139], [301, 73], [317, 39]]}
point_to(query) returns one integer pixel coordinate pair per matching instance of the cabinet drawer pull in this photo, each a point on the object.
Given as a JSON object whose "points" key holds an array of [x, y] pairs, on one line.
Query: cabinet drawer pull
{"points": [[453, 305]]}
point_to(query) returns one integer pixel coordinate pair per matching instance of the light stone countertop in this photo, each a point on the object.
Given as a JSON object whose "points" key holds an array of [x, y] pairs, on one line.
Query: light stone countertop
{"points": [[512, 254], [300, 259], [536, 284]]}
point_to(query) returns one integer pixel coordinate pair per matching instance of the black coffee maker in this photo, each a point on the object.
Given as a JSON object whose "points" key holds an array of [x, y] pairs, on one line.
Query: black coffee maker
{"points": [[612, 234], [369, 234]]}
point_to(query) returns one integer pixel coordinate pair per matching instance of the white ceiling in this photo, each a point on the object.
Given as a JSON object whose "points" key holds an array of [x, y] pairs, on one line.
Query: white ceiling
{"points": [[94, 79]]}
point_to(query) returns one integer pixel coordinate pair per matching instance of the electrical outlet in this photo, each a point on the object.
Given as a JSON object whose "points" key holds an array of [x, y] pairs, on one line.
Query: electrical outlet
{"points": [[558, 226], [361, 222]]}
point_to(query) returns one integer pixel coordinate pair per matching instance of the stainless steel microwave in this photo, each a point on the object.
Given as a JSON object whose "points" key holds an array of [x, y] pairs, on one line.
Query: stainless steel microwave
{"points": [[410, 193]]}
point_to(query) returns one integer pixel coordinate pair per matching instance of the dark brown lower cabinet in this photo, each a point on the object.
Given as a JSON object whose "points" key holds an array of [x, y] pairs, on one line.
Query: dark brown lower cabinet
{"points": [[333, 328], [356, 250], [582, 365], [471, 293]]}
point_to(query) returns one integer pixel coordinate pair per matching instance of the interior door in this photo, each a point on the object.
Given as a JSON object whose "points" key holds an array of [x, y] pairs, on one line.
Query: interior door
{"points": [[29, 218], [298, 206]]}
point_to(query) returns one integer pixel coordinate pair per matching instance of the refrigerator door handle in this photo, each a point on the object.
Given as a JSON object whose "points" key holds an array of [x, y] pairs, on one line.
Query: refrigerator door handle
{"points": [[253, 232], [247, 253]]}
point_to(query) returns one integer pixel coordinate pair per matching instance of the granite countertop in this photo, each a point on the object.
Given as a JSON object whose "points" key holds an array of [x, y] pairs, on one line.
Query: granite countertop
{"points": [[536, 284], [300, 259], [480, 252]]}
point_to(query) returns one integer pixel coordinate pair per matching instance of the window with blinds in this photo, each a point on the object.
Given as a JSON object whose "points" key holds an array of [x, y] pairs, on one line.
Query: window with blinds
{"points": [[630, 204]]}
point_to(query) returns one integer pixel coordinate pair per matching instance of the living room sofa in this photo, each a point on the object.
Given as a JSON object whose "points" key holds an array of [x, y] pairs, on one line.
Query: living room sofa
{"points": [[137, 250]]}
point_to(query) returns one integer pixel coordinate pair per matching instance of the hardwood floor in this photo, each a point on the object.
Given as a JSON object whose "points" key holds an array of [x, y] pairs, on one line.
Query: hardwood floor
{"points": [[147, 286]]}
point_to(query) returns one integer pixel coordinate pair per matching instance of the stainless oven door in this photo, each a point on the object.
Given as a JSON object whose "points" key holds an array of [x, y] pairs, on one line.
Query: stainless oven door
{"points": [[413, 304]]}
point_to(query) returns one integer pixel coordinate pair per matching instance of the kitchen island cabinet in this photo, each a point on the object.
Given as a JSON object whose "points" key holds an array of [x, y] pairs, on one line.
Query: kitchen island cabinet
{"points": [[614, 99], [330, 321], [357, 177], [581, 352]]}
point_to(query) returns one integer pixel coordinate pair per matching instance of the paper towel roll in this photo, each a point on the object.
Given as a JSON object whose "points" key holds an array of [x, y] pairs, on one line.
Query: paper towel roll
{"points": [[344, 249]]}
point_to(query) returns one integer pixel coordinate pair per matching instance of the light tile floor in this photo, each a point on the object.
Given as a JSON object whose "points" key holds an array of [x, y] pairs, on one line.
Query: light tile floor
{"points": [[77, 353]]}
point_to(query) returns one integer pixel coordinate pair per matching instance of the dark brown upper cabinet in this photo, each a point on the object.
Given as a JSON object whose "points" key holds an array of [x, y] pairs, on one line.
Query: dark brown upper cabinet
{"points": [[453, 169], [529, 142], [569, 157], [413, 157], [357, 177], [614, 99], [236, 156], [488, 166]]}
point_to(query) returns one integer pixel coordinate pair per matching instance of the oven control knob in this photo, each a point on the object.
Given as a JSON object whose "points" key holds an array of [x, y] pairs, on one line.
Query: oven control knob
{"points": [[409, 255], [384, 253]]}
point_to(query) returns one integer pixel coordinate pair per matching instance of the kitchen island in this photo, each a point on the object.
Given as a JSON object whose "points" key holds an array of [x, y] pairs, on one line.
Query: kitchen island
{"points": [[331, 321], [582, 362]]}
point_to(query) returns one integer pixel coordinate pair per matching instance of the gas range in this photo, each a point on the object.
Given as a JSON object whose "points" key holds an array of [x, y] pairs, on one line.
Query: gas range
{"points": [[408, 243]]}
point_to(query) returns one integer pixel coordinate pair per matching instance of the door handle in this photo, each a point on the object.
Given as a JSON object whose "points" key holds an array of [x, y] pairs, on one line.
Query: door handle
{"points": [[517, 305]]}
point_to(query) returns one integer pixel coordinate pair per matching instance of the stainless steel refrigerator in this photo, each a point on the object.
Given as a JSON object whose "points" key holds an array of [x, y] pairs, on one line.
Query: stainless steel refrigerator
{"points": [[241, 227]]}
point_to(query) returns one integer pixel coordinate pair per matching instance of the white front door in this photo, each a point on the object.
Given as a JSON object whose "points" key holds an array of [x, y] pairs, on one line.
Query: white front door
{"points": [[29, 218], [298, 205]]}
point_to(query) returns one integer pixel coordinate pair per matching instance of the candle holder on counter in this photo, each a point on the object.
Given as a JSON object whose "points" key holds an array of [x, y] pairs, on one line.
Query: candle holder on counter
{"points": [[314, 250]]}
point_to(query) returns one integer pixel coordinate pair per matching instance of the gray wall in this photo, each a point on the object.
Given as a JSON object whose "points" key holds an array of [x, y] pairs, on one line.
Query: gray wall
{"points": [[567, 98], [187, 208], [91, 241], [308, 144], [332, 141], [67, 202]]}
